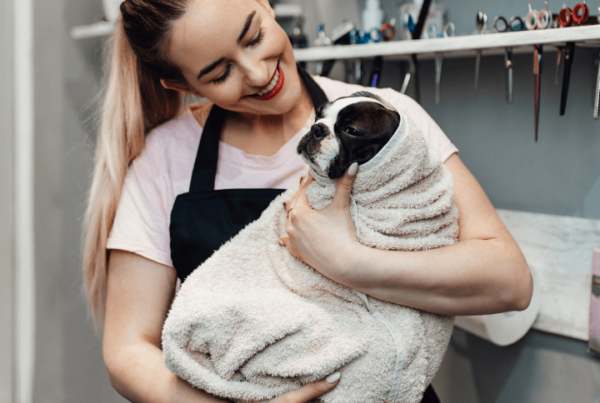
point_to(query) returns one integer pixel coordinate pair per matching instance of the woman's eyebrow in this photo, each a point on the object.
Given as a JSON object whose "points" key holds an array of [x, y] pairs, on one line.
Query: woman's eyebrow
{"points": [[214, 64], [246, 26]]}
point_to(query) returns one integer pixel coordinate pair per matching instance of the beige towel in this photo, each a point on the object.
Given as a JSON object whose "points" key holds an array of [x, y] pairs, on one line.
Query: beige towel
{"points": [[253, 322]]}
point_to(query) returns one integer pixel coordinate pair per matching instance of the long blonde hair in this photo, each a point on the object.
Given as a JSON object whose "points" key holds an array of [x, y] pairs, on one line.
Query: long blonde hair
{"points": [[135, 102]]}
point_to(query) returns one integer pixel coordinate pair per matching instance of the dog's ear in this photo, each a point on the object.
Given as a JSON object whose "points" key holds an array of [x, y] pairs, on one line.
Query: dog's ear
{"points": [[367, 94], [376, 97], [319, 111]]}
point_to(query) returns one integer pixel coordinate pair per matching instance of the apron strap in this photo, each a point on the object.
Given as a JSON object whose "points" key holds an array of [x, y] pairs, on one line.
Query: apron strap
{"points": [[205, 166]]}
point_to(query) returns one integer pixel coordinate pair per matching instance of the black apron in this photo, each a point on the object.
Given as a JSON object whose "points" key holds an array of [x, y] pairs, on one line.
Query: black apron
{"points": [[204, 218]]}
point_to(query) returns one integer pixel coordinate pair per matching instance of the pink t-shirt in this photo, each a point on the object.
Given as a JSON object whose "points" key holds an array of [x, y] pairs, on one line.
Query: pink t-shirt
{"points": [[164, 169]]}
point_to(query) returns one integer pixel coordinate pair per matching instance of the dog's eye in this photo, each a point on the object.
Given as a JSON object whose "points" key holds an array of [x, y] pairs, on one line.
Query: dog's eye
{"points": [[352, 131]]}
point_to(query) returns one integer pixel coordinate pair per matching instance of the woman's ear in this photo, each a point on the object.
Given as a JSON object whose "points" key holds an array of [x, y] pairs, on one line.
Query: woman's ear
{"points": [[172, 85]]}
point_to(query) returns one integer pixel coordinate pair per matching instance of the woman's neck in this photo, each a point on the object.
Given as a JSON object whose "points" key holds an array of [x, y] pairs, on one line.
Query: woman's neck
{"points": [[266, 134]]}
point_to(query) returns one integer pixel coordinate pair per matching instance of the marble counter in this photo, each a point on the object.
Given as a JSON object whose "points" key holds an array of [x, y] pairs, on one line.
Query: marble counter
{"points": [[560, 250]]}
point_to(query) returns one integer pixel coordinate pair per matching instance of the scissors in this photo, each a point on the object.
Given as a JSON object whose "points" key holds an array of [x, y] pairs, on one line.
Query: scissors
{"points": [[502, 25], [416, 32], [538, 53], [481, 21], [597, 95], [569, 54], [538, 19], [577, 16]]}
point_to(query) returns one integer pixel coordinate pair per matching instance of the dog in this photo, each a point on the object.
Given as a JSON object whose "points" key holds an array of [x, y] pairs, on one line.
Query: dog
{"points": [[253, 322], [351, 129]]}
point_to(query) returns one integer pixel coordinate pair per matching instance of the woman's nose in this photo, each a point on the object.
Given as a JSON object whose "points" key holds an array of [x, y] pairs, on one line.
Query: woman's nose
{"points": [[256, 72]]}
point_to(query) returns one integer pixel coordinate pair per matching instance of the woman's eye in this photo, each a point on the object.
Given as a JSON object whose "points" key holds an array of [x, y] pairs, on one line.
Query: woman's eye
{"points": [[351, 131], [258, 38], [223, 76]]}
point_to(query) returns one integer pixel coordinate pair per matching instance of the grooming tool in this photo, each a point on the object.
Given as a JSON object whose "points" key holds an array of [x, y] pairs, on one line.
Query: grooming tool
{"points": [[508, 53], [376, 72], [538, 53], [545, 17], [375, 35], [581, 13], [532, 20], [339, 36], [388, 30], [449, 30], [559, 52], [565, 17], [481, 21], [416, 34], [406, 82], [415, 67], [322, 40], [501, 25], [597, 96], [439, 58], [569, 54]]}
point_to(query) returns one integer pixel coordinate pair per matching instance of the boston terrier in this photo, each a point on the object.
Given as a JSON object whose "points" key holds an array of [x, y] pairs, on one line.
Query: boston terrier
{"points": [[349, 129]]}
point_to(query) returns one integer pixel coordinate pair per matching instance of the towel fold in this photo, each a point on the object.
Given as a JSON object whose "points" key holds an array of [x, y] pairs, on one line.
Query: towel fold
{"points": [[253, 322]]}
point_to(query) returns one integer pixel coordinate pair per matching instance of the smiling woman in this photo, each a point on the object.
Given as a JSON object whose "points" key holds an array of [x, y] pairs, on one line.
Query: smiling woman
{"points": [[172, 184]]}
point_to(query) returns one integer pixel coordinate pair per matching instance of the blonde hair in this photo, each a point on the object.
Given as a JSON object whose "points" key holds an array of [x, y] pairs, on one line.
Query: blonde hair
{"points": [[134, 103]]}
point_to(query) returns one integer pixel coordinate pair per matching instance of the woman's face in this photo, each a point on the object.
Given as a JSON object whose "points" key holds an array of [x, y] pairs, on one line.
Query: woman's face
{"points": [[234, 53]]}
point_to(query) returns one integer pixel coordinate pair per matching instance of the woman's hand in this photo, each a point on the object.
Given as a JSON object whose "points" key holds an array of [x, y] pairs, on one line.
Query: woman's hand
{"points": [[325, 238], [309, 392]]}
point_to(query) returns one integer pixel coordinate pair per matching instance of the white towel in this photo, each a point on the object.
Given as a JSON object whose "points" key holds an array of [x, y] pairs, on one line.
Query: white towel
{"points": [[253, 322]]}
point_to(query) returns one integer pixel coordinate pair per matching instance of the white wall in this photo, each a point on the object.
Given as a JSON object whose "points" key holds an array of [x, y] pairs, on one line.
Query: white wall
{"points": [[6, 205]]}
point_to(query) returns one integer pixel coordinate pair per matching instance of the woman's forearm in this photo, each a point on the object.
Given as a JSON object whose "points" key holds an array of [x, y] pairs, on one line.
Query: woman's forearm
{"points": [[139, 374], [471, 277]]}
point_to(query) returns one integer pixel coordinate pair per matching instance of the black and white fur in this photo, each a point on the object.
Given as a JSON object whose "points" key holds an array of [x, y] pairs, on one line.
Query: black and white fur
{"points": [[349, 129]]}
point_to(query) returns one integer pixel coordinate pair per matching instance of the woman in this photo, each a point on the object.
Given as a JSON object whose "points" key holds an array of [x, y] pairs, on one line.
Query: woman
{"points": [[153, 162]]}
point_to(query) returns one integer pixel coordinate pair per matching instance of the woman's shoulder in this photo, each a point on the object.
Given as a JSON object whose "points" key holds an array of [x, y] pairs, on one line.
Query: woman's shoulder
{"points": [[178, 133]]}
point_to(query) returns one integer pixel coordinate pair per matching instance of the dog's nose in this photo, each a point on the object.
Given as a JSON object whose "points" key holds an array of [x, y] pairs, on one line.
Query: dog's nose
{"points": [[318, 131]]}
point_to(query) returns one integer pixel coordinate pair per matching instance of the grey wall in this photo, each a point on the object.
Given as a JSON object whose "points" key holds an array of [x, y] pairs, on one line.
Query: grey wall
{"points": [[6, 204], [560, 174]]}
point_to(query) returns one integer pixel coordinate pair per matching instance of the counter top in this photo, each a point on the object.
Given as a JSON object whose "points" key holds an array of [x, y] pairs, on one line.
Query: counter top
{"points": [[560, 250]]}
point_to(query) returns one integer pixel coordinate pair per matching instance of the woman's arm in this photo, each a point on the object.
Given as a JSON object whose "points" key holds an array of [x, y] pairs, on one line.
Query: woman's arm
{"points": [[485, 272], [139, 295]]}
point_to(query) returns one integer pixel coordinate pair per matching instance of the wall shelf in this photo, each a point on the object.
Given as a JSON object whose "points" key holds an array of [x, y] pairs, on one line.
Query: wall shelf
{"points": [[95, 30], [459, 46], [105, 28]]}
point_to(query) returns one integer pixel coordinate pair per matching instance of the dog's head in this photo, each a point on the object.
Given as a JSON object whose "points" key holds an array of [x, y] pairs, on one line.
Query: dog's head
{"points": [[349, 129]]}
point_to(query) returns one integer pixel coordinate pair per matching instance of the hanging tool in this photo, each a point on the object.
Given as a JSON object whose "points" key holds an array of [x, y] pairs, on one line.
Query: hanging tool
{"points": [[481, 21], [559, 52], [545, 17], [565, 17], [508, 53], [416, 33], [501, 25], [406, 80], [388, 30], [538, 53], [439, 58], [449, 30], [532, 21], [569, 53], [339, 36], [597, 96], [376, 72], [581, 13]]}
